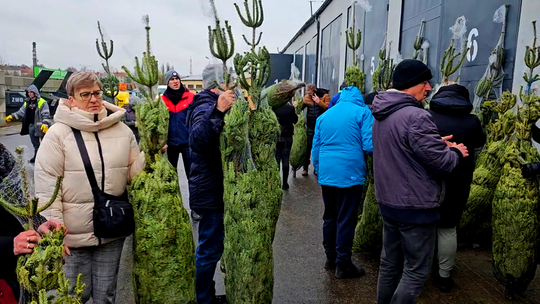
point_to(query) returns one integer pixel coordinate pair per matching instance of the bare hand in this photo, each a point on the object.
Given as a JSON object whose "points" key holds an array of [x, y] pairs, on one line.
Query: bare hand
{"points": [[25, 242], [164, 148], [462, 148], [225, 101], [316, 98], [66, 251], [49, 226]]}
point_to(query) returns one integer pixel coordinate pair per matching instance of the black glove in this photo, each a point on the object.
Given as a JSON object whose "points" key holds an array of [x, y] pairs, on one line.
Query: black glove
{"points": [[530, 170]]}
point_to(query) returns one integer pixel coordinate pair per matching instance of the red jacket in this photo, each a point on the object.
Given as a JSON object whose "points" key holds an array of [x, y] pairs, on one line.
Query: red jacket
{"points": [[178, 132]]}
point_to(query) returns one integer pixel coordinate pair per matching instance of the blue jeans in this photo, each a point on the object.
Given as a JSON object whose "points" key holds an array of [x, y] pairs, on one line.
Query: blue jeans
{"points": [[340, 218], [209, 251], [406, 260]]}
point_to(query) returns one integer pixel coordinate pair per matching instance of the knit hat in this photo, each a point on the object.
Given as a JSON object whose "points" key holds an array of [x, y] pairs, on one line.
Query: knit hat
{"points": [[410, 72], [170, 74], [212, 73]]}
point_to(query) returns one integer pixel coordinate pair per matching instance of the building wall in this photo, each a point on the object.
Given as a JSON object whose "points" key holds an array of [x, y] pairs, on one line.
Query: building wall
{"points": [[529, 13], [400, 20]]}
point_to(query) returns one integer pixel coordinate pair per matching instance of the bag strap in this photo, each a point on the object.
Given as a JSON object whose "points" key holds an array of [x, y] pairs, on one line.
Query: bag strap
{"points": [[86, 160]]}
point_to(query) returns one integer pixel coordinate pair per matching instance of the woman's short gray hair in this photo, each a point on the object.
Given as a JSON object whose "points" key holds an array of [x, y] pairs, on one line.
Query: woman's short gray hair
{"points": [[82, 80]]}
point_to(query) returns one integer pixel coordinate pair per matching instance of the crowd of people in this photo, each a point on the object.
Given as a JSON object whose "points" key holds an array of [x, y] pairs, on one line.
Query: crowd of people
{"points": [[421, 165]]}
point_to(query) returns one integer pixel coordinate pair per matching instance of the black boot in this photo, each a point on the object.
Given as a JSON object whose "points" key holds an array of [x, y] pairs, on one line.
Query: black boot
{"points": [[222, 299], [285, 186], [32, 160], [330, 264], [348, 271], [444, 284]]}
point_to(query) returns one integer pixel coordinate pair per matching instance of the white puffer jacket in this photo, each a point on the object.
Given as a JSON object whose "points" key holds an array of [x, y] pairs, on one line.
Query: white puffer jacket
{"points": [[59, 155]]}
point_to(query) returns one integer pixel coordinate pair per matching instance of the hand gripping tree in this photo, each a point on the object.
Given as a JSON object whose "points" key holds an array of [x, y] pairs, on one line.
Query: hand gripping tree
{"points": [[110, 83], [164, 252]]}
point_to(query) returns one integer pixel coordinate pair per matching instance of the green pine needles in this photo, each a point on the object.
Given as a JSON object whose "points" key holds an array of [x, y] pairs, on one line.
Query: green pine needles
{"points": [[252, 181], [146, 70], [110, 83], [164, 251]]}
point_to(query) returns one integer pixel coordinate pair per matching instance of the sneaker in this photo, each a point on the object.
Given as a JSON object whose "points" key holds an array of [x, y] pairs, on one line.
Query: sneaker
{"points": [[349, 271], [330, 264], [285, 186], [444, 284], [304, 173]]}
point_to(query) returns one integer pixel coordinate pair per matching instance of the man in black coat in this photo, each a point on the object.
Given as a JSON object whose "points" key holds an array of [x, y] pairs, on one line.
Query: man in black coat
{"points": [[205, 121], [451, 109], [287, 117], [316, 100]]}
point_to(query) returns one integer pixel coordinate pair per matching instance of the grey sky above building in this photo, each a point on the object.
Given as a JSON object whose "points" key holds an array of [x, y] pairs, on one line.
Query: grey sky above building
{"points": [[66, 30]]}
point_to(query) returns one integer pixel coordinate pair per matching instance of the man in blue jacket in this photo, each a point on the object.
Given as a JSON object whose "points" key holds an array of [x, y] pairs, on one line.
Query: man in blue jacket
{"points": [[177, 99], [341, 138], [205, 121]]}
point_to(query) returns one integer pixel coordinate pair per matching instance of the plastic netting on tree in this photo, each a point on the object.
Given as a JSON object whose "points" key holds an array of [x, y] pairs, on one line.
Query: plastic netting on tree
{"points": [[40, 272], [490, 85], [364, 4]]}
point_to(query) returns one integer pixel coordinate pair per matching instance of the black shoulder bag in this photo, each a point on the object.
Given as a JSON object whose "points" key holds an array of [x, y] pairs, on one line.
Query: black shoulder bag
{"points": [[113, 215]]}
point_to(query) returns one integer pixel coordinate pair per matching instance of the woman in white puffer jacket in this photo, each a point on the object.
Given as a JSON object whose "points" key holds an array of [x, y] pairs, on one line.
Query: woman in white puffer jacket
{"points": [[97, 259]]}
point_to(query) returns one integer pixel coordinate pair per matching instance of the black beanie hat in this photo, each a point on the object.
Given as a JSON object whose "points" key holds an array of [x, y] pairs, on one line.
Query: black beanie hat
{"points": [[409, 73]]}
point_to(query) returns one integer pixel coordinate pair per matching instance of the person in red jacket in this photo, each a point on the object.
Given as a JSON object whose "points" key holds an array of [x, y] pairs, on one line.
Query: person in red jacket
{"points": [[177, 99]]}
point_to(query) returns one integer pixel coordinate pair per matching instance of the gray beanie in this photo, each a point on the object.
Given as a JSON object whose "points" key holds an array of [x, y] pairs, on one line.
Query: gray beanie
{"points": [[170, 74], [212, 73]]}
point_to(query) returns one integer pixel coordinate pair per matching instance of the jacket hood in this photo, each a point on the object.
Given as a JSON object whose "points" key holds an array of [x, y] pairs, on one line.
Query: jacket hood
{"points": [[386, 103], [205, 96], [32, 88], [351, 94], [85, 121], [452, 100]]}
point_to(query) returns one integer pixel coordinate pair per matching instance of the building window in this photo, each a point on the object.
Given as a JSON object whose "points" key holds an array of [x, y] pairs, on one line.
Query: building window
{"points": [[190, 86], [199, 87]]}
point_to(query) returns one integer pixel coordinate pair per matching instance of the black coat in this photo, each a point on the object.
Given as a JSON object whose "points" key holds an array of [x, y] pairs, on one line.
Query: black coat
{"points": [[287, 117], [9, 229], [314, 111], [451, 108], [205, 123]]}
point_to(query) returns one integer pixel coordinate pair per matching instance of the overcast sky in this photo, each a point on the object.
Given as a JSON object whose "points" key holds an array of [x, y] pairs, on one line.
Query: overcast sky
{"points": [[66, 30]]}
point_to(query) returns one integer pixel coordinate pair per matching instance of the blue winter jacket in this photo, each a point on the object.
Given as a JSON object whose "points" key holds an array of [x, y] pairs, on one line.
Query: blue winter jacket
{"points": [[205, 123], [334, 100], [342, 136]]}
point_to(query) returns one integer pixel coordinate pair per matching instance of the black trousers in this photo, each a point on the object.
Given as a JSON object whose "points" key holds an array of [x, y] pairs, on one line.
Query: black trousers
{"points": [[283, 153], [309, 146], [340, 218], [173, 153]]}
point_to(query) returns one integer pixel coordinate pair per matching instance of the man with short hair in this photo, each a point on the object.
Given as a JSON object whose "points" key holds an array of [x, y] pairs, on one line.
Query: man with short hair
{"points": [[409, 160], [177, 99], [35, 117], [205, 120]]}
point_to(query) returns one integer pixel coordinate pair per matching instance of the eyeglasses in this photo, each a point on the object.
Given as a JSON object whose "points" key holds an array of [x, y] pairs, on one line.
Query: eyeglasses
{"points": [[86, 96]]}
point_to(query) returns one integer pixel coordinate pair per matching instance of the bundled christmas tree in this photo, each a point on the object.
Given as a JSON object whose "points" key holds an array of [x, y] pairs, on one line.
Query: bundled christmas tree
{"points": [[368, 237], [110, 82], [515, 206], [164, 251], [298, 149], [354, 75], [252, 180], [476, 219]]}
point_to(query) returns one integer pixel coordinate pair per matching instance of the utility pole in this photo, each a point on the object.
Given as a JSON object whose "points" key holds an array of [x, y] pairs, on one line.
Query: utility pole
{"points": [[190, 66], [311, 5]]}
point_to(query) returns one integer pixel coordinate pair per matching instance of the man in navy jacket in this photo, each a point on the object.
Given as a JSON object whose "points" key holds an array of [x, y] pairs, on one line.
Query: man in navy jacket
{"points": [[177, 99], [205, 120]]}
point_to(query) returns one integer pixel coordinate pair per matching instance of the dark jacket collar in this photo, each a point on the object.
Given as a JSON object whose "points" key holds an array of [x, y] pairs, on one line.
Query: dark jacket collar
{"points": [[451, 100]]}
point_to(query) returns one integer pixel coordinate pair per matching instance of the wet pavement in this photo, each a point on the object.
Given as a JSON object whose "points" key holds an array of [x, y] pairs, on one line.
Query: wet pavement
{"points": [[299, 259]]}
